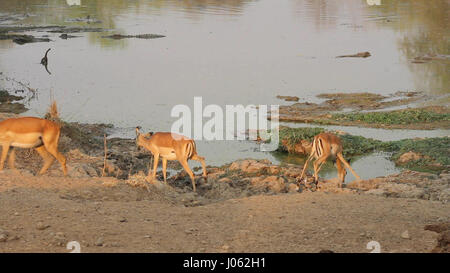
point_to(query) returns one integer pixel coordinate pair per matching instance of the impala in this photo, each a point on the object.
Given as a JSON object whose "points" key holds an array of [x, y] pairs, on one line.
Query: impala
{"points": [[324, 146], [170, 146], [31, 132]]}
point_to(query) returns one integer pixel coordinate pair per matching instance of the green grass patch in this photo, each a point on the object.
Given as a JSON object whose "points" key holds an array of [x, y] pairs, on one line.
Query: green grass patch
{"points": [[295, 135], [435, 151], [396, 117], [358, 145]]}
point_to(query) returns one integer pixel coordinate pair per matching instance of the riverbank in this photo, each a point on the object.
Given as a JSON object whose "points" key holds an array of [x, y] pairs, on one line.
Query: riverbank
{"points": [[420, 154], [115, 196], [42, 214], [247, 198], [369, 110]]}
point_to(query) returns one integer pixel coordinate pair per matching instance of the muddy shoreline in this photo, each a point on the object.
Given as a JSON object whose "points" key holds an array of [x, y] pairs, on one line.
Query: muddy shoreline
{"points": [[15, 33], [84, 146], [368, 110], [247, 205], [240, 181]]}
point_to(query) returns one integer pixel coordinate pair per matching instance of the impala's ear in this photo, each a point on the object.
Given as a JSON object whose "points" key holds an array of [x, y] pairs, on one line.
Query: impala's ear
{"points": [[137, 130], [148, 135]]}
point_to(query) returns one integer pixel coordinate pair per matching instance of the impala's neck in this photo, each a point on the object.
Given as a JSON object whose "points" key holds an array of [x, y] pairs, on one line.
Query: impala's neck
{"points": [[307, 146]]}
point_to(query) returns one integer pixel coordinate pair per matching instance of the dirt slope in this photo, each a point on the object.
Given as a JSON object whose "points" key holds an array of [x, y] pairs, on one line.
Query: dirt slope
{"points": [[42, 214]]}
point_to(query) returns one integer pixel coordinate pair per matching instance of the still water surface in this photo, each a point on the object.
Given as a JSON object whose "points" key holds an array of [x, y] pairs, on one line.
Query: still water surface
{"points": [[227, 52]]}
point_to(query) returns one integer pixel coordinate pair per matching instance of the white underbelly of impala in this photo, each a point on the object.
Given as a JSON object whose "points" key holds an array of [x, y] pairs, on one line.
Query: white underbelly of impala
{"points": [[29, 140], [168, 153], [27, 145]]}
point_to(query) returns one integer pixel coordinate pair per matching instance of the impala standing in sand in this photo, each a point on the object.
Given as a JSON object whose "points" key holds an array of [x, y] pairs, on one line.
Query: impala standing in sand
{"points": [[31, 132], [170, 146], [324, 146]]}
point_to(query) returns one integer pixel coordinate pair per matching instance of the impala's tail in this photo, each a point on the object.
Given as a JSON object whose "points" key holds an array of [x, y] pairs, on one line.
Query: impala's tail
{"points": [[190, 149], [318, 146]]}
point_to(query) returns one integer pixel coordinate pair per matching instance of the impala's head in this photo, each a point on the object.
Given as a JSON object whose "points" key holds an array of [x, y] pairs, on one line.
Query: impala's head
{"points": [[141, 138]]}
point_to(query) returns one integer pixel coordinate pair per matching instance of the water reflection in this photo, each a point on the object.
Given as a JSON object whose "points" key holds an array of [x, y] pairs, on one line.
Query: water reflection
{"points": [[73, 2], [379, 163], [423, 30], [228, 52], [421, 27]]}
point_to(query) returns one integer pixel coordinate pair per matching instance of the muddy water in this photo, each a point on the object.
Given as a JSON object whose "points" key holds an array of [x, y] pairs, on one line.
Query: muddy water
{"points": [[227, 52], [370, 166]]}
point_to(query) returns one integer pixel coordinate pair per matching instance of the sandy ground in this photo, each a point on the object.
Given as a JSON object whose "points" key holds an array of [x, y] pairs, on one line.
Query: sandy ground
{"points": [[42, 214]]}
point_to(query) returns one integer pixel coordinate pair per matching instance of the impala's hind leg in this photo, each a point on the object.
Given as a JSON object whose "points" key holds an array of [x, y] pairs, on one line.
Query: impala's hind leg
{"points": [[5, 149], [341, 171], [201, 160], [185, 165], [51, 144], [12, 158], [317, 165], [46, 156], [339, 155]]}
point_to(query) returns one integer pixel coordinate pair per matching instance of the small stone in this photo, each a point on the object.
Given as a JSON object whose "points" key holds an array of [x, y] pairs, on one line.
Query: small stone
{"points": [[99, 242], [42, 226], [123, 219], [3, 237], [114, 244], [14, 238], [405, 235], [225, 180], [16, 214], [59, 239], [293, 188]]}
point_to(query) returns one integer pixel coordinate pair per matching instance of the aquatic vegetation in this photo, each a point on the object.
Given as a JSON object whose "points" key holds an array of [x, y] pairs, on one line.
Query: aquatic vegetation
{"points": [[295, 135], [358, 145], [433, 152], [409, 116]]}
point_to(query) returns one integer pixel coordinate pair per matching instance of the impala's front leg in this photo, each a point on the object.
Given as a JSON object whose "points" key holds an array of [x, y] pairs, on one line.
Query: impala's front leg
{"points": [[185, 165], [12, 158], [155, 166], [5, 149], [164, 165], [305, 166]]}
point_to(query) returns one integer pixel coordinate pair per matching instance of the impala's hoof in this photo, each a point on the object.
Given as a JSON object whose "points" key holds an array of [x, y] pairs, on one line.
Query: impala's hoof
{"points": [[149, 179]]}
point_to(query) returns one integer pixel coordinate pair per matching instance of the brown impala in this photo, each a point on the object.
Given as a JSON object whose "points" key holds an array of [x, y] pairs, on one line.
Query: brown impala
{"points": [[31, 132], [170, 146], [324, 146]]}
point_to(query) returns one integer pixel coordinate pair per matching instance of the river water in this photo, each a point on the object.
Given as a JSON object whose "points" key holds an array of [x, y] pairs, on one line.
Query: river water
{"points": [[226, 52]]}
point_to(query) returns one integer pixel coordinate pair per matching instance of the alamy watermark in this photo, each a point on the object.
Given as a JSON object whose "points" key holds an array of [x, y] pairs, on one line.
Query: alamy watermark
{"points": [[373, 2], [236, 122]]}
